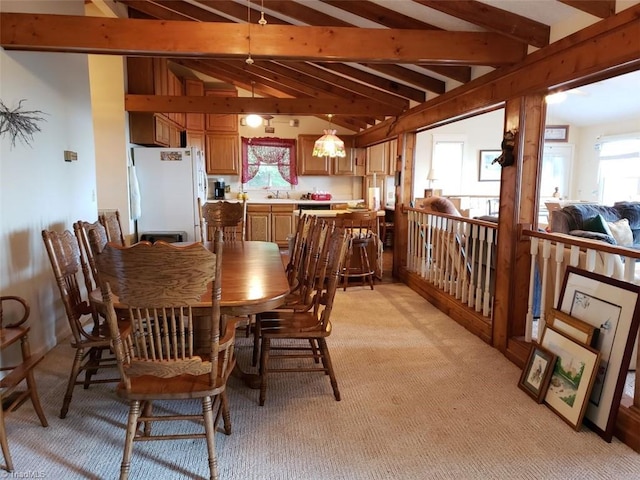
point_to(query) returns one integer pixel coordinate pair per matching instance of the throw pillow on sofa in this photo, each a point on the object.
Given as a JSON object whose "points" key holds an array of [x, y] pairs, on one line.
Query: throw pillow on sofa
{"points": [[621, 231], [596, 224]]}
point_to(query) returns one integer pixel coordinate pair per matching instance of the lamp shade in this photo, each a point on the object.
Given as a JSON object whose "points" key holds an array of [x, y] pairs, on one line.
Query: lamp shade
{"points": [[433, 174], [329, 145]]}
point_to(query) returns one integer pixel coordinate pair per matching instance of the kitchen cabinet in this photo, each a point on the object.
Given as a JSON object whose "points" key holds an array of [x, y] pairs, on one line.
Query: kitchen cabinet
{"points": [[194, 88], [195, 139], [381, 158], [307, 163], [377, 159], [175, 88], [270, 223], [153, 129], [346, 165], [151, 76], [310, 165], [222, 153], [221, 122]]}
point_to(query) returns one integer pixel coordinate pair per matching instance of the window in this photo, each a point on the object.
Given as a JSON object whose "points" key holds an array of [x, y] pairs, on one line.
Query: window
{"points": [[268, 162], [448, 151], [619, 171]]}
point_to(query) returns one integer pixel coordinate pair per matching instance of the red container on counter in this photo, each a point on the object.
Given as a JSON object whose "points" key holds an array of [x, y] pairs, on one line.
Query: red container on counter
{"points": [[320, 196]]}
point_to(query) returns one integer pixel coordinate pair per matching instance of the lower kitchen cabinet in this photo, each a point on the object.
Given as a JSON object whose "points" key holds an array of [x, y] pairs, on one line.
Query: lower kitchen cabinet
{"points": [[270, 223]]}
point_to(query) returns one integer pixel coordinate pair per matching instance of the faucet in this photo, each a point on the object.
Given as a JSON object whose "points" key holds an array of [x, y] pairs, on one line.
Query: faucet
{"points": [[275, 195]]}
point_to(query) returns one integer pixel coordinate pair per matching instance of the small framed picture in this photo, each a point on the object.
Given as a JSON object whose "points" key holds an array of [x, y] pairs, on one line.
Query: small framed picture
{"points": [[556, 133], [572, 327], [573, 376], [487, 170], [536, 373]]}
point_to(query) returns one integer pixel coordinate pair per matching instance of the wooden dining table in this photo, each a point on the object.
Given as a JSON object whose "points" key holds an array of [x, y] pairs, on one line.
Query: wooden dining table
{"points": [[253, 281]]}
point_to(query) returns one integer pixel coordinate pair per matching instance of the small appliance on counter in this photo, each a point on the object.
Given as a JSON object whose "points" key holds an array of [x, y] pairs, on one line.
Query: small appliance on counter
{"points": [[218, 189], [320, 196]]}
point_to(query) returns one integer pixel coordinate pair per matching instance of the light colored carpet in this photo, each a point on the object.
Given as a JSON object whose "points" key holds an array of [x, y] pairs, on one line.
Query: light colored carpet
{"points": [[422, 398]]}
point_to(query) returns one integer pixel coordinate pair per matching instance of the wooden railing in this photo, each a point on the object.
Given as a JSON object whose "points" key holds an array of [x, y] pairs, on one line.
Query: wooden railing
{"points": [[552, 253], [454, 254]]}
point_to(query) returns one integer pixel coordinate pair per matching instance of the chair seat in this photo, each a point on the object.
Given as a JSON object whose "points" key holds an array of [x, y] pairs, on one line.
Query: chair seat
{"points": [[292, 324], [183, 386]]}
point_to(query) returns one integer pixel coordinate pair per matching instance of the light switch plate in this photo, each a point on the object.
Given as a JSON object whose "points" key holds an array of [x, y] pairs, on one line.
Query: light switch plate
{"points": [[70, 156]]}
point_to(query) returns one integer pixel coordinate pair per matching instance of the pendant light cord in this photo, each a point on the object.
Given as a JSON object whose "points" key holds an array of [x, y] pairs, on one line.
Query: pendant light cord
{"points": [[249, 60]]}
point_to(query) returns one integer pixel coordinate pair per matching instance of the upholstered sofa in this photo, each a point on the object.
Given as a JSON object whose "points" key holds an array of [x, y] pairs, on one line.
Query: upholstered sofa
{"points": [[618, 224]]}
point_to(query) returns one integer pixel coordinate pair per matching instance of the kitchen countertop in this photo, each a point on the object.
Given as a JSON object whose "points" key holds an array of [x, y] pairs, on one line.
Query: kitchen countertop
{"points": [[290, 201], [333, 213]]}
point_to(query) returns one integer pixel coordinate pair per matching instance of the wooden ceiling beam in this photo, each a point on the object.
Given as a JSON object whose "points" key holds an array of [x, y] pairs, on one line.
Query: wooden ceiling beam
{"points": [[259, 105], [399, 89], [598, 8], [514, 26], [406, 75], [173, 10], [371, 93], [379, 14], [262, 86], [365, 9], [188, 11], [120, 36]]}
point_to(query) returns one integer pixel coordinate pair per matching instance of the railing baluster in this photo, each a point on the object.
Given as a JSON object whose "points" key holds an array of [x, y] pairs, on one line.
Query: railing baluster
{"points": [[533, 250], [487, 275], [474, 254], [465, 278], [546, 254], [481, 241], [559, 259]]}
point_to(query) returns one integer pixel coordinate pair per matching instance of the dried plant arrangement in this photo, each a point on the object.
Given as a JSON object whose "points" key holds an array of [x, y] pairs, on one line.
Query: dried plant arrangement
{"points": [[19, 123]]}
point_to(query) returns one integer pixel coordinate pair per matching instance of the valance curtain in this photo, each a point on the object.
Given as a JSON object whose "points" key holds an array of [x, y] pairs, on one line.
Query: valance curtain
{"points": [[269, 151]]}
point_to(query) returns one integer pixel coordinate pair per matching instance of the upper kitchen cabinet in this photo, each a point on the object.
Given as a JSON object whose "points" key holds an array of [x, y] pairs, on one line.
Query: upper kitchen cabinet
{"points": [[151, 76], [310, 165], [347, 165], [307, 163], [222, 154], [194, 88], [381, 158], [377, 159], [221, 122]]}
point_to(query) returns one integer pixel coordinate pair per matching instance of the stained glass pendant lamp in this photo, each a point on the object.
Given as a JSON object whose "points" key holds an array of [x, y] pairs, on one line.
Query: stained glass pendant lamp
{"points": [[329, 145]]}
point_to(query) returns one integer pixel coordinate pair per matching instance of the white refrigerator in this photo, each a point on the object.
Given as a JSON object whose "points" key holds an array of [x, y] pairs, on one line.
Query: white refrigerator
{"points": [[170, 181]]}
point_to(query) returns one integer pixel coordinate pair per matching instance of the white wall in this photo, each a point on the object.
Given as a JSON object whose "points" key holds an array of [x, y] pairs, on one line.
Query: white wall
{"points": [[482, 132], [585, 184], [39, 189]]}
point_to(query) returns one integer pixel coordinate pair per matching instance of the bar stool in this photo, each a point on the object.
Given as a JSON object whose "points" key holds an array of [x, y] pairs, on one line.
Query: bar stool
{"points": [[362, 228]]}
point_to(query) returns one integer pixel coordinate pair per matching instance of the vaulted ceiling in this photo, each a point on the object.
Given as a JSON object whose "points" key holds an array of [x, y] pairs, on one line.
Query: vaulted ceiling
{"points": [[394, 86], [370, 59]]}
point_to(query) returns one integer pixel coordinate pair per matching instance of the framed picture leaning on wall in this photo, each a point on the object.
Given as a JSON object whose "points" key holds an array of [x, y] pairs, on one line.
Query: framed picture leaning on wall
{"points": [[573, 376], [536, 373], [612, 307]]}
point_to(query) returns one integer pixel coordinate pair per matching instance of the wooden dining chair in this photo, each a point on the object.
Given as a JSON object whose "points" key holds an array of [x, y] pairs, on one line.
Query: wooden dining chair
{"points": [[231, 217], [363, 234], [87, 259], [295, 335], [14, 376], [113, 226], [168, 353], [309, 279], [89, 341], [299, 248]]}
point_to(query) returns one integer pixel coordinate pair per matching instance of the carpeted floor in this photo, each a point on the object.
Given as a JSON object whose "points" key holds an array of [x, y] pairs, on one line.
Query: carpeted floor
{"points": [[422, 398]]}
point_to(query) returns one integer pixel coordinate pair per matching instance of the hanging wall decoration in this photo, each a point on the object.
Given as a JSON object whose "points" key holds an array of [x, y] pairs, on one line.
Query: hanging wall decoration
{"points": [[19, 123]]}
